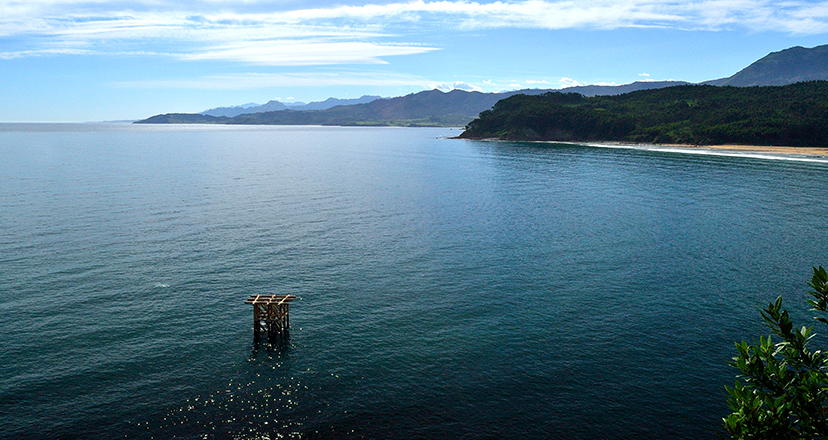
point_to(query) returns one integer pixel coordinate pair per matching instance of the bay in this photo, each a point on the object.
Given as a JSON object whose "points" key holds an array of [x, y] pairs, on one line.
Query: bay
{"points": [[448, 288]]}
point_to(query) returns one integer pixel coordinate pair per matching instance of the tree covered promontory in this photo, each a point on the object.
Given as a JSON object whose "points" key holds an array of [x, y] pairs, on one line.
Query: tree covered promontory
{"points": [[795, 115]]}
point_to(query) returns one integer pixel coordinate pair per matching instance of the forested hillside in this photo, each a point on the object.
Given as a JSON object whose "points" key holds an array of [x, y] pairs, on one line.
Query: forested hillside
{"points": [[795, 115]]}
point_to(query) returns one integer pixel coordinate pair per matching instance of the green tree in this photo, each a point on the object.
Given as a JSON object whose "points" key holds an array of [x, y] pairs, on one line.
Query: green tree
{"points": [[782, 390]]}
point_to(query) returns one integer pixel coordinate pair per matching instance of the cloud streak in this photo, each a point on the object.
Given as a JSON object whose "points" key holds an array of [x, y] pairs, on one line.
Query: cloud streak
{"points": [[253, 80], [305, 52], [251, 33], [240, 81]]}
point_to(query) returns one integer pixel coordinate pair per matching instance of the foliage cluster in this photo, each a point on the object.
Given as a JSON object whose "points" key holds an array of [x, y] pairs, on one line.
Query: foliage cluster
{"points": [[782, 392]]}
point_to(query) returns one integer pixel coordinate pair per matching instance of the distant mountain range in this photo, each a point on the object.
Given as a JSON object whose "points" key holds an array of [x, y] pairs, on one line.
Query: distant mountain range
{"points": [[428, 108], [618, 90], [458, 107], [276, 106]]}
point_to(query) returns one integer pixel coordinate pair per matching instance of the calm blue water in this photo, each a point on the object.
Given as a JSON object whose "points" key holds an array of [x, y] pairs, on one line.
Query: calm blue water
{"points": [[449, 289]]}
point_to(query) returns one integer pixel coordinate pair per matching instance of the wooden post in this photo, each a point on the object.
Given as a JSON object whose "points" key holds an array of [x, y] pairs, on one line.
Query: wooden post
{"points": [[256, 319]]}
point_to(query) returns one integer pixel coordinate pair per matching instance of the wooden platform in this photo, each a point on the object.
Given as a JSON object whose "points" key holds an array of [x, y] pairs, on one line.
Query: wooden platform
{"points": [[271, 314], [269, 299]]}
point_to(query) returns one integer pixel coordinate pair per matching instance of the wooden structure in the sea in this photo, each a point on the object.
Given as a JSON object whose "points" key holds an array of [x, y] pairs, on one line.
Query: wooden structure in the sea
{"points": [[271, 315]]}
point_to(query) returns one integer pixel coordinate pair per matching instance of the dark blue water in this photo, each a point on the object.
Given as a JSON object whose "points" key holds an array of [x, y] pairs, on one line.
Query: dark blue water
{"points": [[449, 289]]}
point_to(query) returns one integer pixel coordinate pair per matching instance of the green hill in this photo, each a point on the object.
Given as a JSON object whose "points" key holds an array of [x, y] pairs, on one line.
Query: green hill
{"points": [[780, 68], [795, 115]]}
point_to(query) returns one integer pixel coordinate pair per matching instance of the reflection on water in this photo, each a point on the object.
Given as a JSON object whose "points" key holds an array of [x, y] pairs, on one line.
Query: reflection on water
{"points": [[271, 341]]}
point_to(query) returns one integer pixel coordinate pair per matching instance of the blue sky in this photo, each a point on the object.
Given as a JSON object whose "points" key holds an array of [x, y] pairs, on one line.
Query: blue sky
{"points": [[65, 60]]}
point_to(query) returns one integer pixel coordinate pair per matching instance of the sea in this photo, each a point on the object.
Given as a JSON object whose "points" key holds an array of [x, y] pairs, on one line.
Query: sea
{"points": [[447, 289]]}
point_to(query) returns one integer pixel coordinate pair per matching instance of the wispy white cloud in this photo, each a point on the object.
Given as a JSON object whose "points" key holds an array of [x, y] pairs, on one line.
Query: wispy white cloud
{"points": [[253, 80], [254, 32], [566, 82], [540, 82], [305, 52], [10, 55], [569, 82], [516, 84], [240, 81], [459, 85]]}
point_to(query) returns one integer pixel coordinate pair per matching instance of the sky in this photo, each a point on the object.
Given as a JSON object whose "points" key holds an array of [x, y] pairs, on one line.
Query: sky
{"points": [[67, 60]]}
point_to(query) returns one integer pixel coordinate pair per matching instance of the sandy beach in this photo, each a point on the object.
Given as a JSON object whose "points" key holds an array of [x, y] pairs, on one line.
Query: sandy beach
{"points": [[759, 151], [808, 151]]}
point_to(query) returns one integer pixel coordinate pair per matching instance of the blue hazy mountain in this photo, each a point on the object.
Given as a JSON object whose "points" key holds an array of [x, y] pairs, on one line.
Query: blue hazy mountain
{"points": [[333, 102], [245, 108], [426, 108], [274, 105], [617, 90]]}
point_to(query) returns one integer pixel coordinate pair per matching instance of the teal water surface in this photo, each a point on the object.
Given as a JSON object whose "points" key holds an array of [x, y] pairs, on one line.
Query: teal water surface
{"points": [[449, 289]]}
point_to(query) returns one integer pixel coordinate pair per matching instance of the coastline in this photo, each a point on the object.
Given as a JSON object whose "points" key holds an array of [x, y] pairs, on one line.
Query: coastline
{"points": [[806, 154], [810, 154], [761, 149]]}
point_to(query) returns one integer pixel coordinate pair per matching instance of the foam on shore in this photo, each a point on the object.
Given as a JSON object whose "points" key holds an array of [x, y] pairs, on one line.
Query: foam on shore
{"points": [[712, 151]]}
